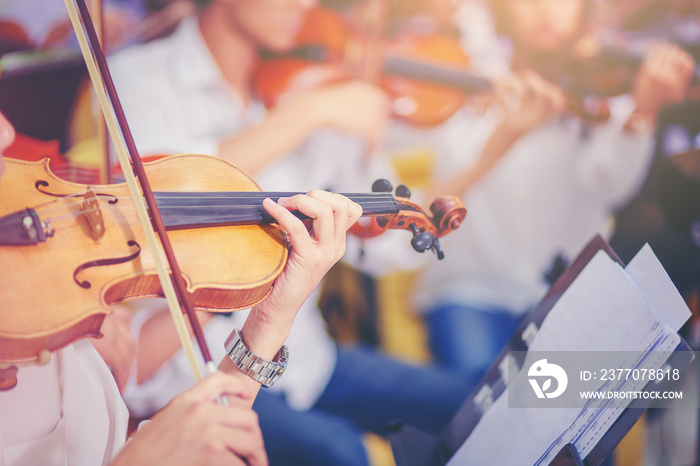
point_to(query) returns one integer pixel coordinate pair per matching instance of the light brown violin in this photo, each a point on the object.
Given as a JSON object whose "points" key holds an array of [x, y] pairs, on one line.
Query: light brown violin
{"points": [[69, 250]]}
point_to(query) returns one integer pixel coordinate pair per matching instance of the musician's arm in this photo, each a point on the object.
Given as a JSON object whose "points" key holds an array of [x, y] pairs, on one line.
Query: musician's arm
{"points": [[312, 254]]}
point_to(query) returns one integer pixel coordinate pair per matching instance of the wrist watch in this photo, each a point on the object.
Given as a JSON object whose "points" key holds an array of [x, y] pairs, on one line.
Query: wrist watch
{"points": [[264, 371]]}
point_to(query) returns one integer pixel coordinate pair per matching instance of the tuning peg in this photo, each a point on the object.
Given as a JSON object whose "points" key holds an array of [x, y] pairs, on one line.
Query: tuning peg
{"points": [[422, 242], [381, 186], [437, 249], [403, 191]]}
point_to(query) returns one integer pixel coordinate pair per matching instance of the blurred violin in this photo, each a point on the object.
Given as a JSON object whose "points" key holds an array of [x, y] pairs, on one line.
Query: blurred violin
{"points": [[84, 244], [595, 70], [425, 75]]}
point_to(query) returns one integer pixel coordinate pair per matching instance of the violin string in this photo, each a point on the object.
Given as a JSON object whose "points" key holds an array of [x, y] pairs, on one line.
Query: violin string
{"points": [[206, 194], [374, 200], [257, 204], [232, 208], [368, 200], [91, 210], [244, 195], [364, 198], [128, 219], [69, 197]]}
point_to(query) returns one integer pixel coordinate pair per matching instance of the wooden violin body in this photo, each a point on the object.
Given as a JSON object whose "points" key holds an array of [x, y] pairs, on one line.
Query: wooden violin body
{"points": [[69, 251], [44, 286]]}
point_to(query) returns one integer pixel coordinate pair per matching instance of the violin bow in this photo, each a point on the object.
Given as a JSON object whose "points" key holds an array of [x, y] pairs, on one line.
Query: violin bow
{"points": [[175, 290], [102, 141]]}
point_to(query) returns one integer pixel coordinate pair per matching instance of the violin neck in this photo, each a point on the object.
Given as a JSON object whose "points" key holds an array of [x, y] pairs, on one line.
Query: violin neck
{"points": [[451, 77], [617, 56], [444, 75], [633, 59], [184, 210]]}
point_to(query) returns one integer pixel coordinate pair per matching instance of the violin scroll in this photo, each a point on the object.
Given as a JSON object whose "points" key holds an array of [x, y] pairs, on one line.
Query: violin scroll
{"points": [[448, 212]]}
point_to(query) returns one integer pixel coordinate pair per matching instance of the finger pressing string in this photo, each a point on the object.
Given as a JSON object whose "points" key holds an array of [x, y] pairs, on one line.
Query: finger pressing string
{"points": [[299, 239]]}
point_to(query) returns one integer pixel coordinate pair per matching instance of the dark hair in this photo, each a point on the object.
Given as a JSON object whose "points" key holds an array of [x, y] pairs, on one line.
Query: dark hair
{"points": [[502, 17]]}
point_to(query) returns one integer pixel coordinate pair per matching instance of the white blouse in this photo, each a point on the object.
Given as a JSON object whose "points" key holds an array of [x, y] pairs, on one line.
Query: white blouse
{"points": [[68, 411]]}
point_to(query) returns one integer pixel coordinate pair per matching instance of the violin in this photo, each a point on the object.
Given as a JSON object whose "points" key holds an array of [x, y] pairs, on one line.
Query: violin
{"points": [[84, 244], [596, 70], [425, 75]]}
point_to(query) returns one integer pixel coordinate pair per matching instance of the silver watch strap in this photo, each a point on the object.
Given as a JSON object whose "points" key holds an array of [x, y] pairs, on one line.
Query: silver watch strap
{"points": [[264, 371]]}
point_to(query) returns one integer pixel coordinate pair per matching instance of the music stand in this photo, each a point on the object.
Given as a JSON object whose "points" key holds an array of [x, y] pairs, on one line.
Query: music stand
{"points": [[413, 447]]}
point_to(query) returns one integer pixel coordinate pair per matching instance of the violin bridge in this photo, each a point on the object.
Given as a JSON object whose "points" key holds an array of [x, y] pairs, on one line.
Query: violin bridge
{"points": [[92, 215]]}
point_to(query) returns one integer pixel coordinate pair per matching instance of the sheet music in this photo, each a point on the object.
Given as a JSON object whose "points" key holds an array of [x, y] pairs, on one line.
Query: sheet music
{"points": [[605, 309], [648, 273]]}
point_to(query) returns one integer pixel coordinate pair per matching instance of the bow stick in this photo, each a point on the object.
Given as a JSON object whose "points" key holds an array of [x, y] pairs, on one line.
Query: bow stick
{"points": [[102, 140], [174, 290]]}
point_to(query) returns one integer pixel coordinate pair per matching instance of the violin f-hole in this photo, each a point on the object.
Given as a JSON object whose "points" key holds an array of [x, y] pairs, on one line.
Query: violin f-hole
{"points": [[40, 184], [103, 262]]}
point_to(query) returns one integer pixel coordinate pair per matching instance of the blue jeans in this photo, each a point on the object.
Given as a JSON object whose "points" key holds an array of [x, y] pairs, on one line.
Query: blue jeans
{"points": [[468, 338], [368, 391]]}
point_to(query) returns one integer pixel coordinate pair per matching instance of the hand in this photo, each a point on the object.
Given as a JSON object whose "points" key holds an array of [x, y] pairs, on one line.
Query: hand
{"points": [[312, 255], [194, 429], [116, 346], [355, 107], [663, 78], [528, 101]]}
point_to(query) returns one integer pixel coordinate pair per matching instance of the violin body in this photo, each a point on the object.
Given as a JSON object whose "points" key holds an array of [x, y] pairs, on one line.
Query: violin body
{"points": [[416, 70], [420, 101], [225, 268]]}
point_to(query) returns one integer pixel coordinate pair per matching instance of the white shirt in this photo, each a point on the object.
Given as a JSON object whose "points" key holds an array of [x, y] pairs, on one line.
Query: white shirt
{"points": [[66, 412], [312, 361], [176, 101], [548, 195]]}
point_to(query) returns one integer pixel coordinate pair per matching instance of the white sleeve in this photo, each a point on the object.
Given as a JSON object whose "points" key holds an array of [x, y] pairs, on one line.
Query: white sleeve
{"points": [[463, 139], [155, 113], [615, 163], [175, 375]]}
